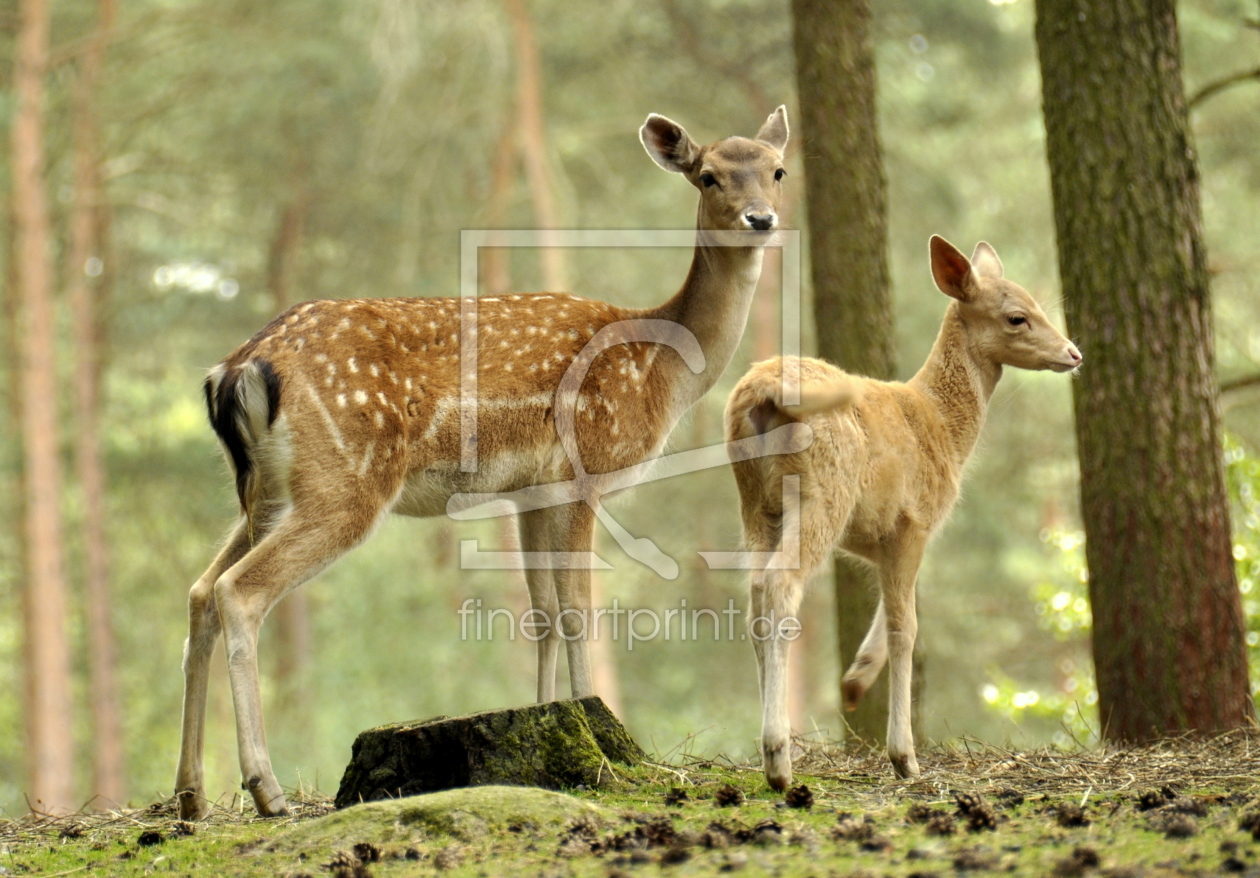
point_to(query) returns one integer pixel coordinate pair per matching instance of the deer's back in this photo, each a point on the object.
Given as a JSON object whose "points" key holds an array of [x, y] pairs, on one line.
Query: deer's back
{"points": [[371, 390]]}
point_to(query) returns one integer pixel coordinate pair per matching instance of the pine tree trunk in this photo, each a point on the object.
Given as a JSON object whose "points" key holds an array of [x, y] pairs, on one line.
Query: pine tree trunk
{"points": [[1168, 626], [555, 271], [85, 243], [529, 106], [848, 245], [50, 746], [291, 616]]}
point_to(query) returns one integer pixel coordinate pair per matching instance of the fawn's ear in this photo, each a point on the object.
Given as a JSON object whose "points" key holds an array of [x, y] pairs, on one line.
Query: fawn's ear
{"points": [[775, 132], [950, 269], [985, 261], [669, 145]]}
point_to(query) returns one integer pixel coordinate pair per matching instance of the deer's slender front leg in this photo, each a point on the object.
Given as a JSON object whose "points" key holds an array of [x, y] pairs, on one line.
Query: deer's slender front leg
{"points": [[868, 662], [898, 574], [576, 526], [534, 530], [203, 635]]}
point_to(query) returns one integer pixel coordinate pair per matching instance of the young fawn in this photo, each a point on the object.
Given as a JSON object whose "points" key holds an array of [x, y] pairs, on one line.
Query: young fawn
{"points": [[880, 476], [340, 412]]}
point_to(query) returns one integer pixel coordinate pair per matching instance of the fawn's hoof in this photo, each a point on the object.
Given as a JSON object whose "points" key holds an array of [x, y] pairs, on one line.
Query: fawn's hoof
{"points": [[851, 692], [193, 805], [777, 763], [905, 766]]}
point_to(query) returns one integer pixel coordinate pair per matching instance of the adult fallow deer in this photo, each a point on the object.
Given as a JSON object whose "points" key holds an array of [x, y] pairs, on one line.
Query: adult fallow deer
{"points": [[340, 412]]}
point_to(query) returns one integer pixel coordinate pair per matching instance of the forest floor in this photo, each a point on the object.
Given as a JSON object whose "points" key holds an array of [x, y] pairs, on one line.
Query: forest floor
{"points": [[1178, 808]]}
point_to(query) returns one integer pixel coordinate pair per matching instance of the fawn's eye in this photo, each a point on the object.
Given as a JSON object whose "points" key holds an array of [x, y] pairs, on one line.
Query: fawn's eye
{"points": [[1016, 321], [779, 175], [708, 180]]}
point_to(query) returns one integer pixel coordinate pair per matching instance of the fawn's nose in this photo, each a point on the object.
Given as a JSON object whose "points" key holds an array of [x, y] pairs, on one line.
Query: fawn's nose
{"points": [[761, 222], [1074, 354]]}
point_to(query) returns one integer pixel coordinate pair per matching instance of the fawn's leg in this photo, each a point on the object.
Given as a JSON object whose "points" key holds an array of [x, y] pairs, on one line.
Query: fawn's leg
{"points": [[808, 532], [898, 573], [868, 662], [573, 527], [203, 636], [780, 598], [299, 546], [542, 599]]}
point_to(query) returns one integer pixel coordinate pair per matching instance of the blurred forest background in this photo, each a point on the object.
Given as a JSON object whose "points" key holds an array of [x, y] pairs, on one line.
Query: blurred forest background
{"points": [[253, 155]]}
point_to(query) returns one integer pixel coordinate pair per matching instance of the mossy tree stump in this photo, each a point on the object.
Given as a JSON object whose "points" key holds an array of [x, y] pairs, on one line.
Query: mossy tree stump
{"points": [[555, 745]]}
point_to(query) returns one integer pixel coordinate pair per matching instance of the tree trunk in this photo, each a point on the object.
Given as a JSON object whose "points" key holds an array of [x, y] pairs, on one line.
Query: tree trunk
{"points": [[50, 745], [86, 226], [497, 260], [1168, 626], [848, 245], [529, 106], [291, 616]]}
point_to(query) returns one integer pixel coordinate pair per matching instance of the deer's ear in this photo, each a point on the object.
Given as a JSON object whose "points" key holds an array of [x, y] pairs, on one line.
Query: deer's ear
{"points": [[775, 132], [950, 269], [985, 261], [669, 145]]}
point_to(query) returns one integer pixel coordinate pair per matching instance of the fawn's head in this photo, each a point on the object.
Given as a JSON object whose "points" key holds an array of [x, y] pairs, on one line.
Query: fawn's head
{"points": [[740, 180], [1003, 321]]}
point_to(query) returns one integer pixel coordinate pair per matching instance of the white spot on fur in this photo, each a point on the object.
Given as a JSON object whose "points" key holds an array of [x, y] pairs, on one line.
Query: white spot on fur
{"points": [[341, 400], [360, 397], [352, 366]]}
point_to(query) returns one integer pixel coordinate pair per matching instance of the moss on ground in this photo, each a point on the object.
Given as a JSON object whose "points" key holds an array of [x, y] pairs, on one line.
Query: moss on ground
{"points": [[660, 820]]}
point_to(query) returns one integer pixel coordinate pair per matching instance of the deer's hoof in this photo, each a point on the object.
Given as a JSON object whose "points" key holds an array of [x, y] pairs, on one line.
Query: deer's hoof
{"points": [[193, 805], [778, 765], [268, 799], [905, 766], [851, 692]]}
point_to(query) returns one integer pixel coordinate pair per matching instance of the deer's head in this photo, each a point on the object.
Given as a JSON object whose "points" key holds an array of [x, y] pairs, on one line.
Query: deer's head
{"points": [[740, 180], [1005, 324]]}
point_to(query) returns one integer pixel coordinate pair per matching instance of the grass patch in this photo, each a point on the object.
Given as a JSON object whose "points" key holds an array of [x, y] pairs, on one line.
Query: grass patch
{"points": [[1182, 807]]}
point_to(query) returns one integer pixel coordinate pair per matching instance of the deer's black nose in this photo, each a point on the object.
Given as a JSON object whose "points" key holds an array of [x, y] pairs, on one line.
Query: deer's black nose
{"points": [[762, 222]]}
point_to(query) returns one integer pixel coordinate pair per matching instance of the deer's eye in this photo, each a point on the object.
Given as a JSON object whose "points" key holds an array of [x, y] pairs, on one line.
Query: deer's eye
{"points": [[1016, 321], [779, 175], [708, 180]]}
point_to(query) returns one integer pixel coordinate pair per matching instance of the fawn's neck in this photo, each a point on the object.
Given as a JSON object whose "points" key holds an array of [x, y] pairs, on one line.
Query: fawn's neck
{"points": [[713, 305], [960, 381]]}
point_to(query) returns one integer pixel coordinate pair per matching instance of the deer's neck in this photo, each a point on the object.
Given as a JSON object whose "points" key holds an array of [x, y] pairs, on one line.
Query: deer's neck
{"points": [[960, 381], [713, 305]]}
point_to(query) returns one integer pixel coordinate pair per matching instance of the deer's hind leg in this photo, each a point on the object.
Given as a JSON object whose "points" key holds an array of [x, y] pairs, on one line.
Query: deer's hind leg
{"points": [[303, 541], [810, 527], [203, 636], [868, 662]]}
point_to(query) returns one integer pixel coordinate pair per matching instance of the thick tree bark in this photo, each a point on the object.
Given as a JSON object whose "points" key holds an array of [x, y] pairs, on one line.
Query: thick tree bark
{"points": [[848, 238], [86, 244], [50, 746], [1168, 625]]}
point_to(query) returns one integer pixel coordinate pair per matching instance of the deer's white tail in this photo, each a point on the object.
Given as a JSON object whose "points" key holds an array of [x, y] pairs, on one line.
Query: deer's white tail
{"points": [[243, 401], [763, 397]]}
